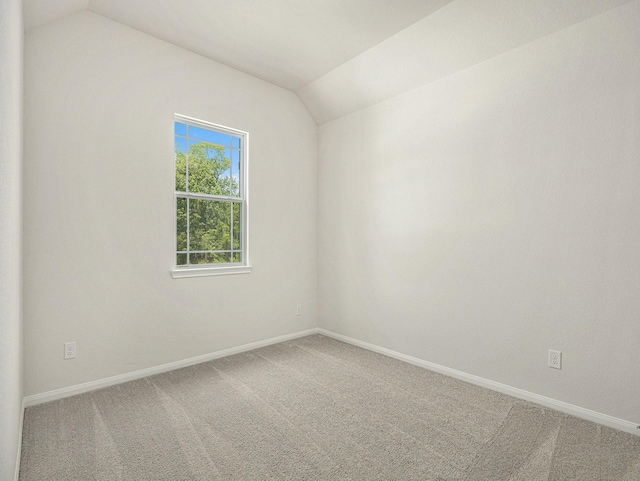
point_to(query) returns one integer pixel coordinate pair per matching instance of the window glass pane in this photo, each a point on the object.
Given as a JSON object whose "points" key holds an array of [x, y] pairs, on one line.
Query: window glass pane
{"points": [[181, 164], [180, 129], [236, 142], [237, 222], [209, 167], [181, 260], [210, 258], [235, 173], [225, 176], [237, 257], [209, 225], [181, 224], [181, 145], [209, 136]]}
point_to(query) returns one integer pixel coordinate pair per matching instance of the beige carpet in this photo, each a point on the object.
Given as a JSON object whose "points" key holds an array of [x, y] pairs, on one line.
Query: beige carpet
{"points": [[314, 409]]}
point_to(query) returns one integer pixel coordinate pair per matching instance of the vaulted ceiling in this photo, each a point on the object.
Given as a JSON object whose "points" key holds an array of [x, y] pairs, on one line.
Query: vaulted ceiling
{"points": [[287, 42], [338, 55]]}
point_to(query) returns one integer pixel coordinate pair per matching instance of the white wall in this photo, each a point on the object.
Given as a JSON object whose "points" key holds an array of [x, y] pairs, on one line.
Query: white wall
{"points": [[11, 70], [482, 219], [458, 35], [98, 193]]}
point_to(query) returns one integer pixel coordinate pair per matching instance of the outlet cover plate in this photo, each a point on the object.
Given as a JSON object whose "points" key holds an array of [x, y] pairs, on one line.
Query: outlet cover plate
{"points": [[555, 359], [70, 350]]}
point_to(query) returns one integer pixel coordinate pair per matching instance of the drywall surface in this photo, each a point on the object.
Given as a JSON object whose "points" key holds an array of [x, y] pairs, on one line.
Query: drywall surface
{"points": [[11, 69], [41, 12], [461, 34], [481, 220], [99, 234], [286, 43]]}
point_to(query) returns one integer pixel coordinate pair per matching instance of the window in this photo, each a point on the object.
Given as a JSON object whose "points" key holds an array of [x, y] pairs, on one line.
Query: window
{"points": [[210, 199]]}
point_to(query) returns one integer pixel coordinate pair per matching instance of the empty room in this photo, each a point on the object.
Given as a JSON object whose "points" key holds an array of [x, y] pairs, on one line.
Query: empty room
{"points": [[319, 240]]}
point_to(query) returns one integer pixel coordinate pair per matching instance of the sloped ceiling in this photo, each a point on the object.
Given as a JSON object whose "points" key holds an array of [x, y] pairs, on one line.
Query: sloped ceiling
{"points": [[459, 35], [41, 12], [289, 43], [339, 56]]}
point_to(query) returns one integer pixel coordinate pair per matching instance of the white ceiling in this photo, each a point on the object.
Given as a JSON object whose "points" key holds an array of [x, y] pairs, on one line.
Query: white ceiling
{"points": [[41, 12], [287, 42], [339, 56], [459, 35]]}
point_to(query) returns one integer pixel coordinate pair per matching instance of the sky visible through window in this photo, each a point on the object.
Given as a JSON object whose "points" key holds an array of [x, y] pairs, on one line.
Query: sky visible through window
{"points": [[188, 136]]}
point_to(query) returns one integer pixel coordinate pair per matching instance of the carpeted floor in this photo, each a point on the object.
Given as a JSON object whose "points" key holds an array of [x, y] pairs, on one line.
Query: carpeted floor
{"points": [[314, 409]]}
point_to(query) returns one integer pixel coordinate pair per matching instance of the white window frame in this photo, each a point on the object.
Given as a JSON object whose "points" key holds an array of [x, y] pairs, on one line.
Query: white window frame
{"points": [[201, 270]]}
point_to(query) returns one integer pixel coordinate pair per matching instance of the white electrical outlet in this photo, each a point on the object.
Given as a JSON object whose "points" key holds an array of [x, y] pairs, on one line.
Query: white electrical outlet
{"points": [[555, 359], [299, 310], [70, 350]]}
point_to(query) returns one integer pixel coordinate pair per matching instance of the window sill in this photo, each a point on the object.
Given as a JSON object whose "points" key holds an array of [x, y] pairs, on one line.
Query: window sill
{"points": [[209, 271]]}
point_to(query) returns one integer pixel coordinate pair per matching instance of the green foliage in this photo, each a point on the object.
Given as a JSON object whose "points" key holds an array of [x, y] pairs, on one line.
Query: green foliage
{"points": [[207, 170]]}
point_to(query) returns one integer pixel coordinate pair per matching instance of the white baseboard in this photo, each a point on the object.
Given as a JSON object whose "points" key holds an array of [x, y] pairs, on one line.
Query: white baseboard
{"points": [[567, 408], [110, 381], [18, 456]]}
